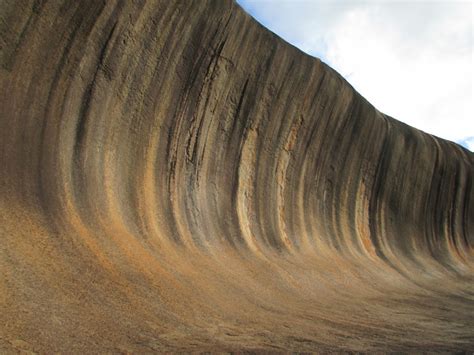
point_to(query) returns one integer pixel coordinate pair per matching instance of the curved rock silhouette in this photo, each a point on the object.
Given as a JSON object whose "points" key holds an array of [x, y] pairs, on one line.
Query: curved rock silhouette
{"points": [[176, 177]]}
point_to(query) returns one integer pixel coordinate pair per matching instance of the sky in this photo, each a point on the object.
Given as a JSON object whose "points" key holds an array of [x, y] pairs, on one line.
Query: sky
{"points": [[413, 60]]}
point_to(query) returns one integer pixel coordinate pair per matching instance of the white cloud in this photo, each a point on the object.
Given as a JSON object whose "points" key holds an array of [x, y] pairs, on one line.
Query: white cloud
{"points": [[468, 143], [412, 60]]}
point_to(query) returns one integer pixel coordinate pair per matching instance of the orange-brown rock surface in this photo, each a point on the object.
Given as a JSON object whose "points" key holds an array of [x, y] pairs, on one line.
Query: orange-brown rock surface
{"points": [[175, 177]]}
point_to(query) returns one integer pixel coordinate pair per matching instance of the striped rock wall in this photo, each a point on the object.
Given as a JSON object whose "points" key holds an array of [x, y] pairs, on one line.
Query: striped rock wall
{"points": [[175, 177]]}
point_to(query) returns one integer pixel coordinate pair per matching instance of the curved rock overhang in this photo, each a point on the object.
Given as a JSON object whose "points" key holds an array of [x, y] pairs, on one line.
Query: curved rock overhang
{"points": [[175, 177]]}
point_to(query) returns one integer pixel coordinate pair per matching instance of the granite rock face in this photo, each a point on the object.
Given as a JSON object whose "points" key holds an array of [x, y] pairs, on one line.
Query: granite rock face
{"points": [[175, 177]]}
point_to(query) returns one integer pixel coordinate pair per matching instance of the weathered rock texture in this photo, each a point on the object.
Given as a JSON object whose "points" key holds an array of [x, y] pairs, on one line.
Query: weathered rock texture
{"points": [[176, 177]]}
